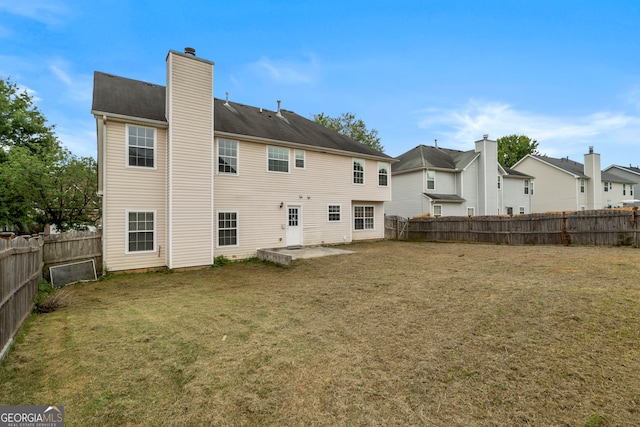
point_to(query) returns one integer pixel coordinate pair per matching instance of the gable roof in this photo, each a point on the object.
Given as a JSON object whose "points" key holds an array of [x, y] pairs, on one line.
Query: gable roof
{"points": [[631, 169], [577, 169], [429, 157], [512, 173], [133, 98]]}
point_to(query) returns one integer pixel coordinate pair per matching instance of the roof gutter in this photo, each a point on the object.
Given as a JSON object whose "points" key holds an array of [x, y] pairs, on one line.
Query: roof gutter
{"points": [[125, 118]]}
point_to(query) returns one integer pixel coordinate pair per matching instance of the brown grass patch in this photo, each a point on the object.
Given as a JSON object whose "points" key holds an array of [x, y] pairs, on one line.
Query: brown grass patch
{"points": [[395, 334]]}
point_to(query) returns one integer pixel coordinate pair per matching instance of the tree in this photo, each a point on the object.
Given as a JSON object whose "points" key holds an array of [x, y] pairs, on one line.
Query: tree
{"points": [[512, 148], [40, 182], [347, 124]]}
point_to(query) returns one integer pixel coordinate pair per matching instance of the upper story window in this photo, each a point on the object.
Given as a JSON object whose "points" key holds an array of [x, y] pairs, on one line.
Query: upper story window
{"points": [[358, 171], [526, 186], [141, 145], [582, 185], [278, 159], [383, 174], [299, 156], [499, 181], [431, 180], [227, 156]]}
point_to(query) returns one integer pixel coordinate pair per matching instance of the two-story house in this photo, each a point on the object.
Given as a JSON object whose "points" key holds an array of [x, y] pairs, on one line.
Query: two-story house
{"points": [[444, 182], [631, 174], [565, 185], [185, 178]]}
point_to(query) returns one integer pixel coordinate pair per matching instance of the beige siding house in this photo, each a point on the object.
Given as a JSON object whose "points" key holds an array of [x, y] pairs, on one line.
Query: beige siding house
{"points": [[566, 185], [185, 178], [443, 182]]}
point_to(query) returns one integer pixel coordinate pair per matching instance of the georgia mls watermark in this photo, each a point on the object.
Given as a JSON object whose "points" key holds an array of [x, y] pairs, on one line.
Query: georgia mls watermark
{"points": [[31, 416]]}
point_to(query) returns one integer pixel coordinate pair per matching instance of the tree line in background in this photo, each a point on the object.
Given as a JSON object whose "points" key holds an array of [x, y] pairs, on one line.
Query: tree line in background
{"points": [[40, 181]]}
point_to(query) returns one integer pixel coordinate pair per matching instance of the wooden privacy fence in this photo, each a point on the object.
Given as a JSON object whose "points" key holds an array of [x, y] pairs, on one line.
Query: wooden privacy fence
{"points": [[72, 246], [20, 273], [596, 227]]}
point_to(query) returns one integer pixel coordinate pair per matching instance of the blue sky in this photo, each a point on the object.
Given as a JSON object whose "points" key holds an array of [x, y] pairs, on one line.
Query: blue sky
{"points": [[564, 72]]}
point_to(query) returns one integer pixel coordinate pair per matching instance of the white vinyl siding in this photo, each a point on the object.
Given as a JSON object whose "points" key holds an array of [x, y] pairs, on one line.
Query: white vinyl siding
{"points": [[278, 159], [141, 147], [227, 156], [148, 194]]}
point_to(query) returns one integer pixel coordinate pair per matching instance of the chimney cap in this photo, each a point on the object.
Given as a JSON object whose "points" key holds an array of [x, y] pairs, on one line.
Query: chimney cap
{"points": [[190, 51], [485, 136], [591, 149]]}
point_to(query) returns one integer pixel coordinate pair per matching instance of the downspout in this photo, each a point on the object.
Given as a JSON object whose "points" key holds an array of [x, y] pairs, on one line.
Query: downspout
{"points": [[104, 193]]}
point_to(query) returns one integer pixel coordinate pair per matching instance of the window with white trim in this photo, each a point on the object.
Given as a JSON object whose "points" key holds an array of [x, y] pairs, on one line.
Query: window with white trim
{"points": [[141, 231], [278, 159], [334, 213], [582, 185], [471, 211], [608, 186], [383, 174], [431, 180], [437, 210], [521, 210], [624, 189], [228, 228], [499, 181], [299, 159], [227, 156], [526, 186], [358, 171], [363, 217], [141, 144]]}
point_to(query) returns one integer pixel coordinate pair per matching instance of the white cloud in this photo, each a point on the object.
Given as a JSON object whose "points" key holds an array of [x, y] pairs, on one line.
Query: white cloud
{"points": [[52, 13], [78, 87], [557, 136], [288, 71]]}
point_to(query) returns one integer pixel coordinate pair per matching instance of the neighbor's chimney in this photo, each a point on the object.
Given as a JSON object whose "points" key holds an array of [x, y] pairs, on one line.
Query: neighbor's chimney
{"points": [[190, 51]]}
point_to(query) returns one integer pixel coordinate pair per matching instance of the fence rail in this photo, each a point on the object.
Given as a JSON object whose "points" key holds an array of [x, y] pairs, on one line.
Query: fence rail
{"points": [[20, 272], [598, 227]]}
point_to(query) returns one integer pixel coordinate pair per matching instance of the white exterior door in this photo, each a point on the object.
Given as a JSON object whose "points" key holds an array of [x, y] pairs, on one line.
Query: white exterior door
{"points": [[294, 225]]}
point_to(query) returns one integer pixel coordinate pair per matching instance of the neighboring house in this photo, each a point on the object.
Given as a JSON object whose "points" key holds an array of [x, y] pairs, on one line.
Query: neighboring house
{"points": [[185, 178], [631, 174], [566, 185], [443, 182]]}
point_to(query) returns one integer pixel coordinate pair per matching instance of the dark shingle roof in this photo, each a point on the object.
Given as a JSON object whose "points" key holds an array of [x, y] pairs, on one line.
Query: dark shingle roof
{"points": [[576, 168], [423, 156], [515, 174], [119, 95], [127, 97], [451, 198]]}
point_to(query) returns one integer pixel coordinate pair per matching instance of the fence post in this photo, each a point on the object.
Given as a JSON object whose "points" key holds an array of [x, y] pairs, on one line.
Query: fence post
{"points": [[634, 225]]}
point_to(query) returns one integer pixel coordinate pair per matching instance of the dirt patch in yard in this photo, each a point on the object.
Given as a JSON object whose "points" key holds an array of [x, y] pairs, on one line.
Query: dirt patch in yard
{"points": [[395, 334]]}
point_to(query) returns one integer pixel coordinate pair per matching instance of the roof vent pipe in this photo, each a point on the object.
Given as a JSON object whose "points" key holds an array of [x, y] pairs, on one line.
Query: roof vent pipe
{"points": [[226, 102], [435, 141], [278, 113], [190, 51]]}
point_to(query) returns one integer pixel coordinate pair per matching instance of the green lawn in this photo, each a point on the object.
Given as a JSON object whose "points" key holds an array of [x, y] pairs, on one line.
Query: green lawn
{"points": [[396, 334]]}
